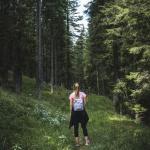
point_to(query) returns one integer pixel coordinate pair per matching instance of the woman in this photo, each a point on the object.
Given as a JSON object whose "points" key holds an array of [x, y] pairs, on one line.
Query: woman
{"points": [[78, 113]]}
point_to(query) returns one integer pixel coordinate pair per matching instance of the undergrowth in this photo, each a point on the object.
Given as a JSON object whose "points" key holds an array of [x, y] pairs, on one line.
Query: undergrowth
{"points": [[28, 123]]}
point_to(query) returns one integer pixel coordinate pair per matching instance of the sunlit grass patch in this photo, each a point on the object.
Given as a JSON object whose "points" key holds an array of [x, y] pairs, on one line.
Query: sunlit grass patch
{"points": [[120, 118]]}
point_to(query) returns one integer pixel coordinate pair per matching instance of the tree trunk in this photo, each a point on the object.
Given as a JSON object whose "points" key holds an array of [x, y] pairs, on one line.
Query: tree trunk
{"points": [[39, 71], [97, 79], [4, 77], [55, 52], [17, 79], [116, 60], [52, 65], [48, 62], [17, 68], [4, 67], [44, 62], [68, 51], [103, 85]]}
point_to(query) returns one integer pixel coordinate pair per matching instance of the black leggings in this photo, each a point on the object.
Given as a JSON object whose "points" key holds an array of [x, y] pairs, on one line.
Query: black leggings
{"points": [[76, 129]]}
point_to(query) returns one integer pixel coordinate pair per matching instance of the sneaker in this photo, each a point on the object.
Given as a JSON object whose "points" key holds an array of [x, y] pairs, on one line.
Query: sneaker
{"points": [[87, 143], [77, 145]]}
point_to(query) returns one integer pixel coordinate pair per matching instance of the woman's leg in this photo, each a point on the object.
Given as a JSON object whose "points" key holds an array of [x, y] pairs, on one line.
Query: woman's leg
{"points": [[85, 133], [84, 129], [76, 133]]}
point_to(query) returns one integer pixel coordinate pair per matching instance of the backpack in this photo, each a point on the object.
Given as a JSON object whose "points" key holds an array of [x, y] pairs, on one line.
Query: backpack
{"points": [[78, 104]]}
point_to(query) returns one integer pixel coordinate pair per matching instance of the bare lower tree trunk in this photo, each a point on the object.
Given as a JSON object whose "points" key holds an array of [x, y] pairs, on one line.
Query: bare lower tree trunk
{"points": [[48, 62], [17, 71], [103, 86], [97, 76], [44, 62], [4, 67], [17, 79], [4, 77], [68, 51], [52, 65], [116, 60], [55, 51], [39, 71]]}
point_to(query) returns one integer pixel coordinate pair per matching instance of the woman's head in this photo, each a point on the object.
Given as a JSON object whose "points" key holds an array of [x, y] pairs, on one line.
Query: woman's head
{"points": [[76, 86]]}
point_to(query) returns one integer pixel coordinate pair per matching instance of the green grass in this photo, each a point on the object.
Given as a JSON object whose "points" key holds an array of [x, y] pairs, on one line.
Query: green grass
{"points": [[29, 123]]}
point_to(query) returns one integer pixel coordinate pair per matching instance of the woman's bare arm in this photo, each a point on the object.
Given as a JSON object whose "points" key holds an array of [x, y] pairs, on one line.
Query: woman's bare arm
{"points": [[71, 103], [85, 100]]}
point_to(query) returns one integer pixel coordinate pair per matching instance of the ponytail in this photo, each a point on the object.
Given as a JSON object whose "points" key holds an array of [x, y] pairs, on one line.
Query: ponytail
{"points": [[76, 88]]}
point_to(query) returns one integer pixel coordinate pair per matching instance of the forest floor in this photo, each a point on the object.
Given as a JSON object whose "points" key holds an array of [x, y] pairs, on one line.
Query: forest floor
{"points": [[28, 123]]}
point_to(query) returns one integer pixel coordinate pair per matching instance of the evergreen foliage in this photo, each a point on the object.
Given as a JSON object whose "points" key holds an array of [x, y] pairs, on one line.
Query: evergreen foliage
{"points": [[119, 49]]}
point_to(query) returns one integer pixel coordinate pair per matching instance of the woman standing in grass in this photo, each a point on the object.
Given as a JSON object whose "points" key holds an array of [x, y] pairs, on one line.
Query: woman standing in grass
{"points": [[78, 113]]}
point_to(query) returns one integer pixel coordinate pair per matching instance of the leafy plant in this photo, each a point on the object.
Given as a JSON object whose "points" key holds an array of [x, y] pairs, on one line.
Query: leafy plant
{"points": [[16, 147], [52, 118], [137, 108]]}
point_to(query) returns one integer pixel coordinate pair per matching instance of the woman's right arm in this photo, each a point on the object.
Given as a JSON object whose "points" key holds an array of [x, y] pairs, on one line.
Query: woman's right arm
{"points": [[71, 104]]}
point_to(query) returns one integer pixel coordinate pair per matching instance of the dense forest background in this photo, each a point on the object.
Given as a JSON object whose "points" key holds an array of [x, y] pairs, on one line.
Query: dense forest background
{"points": [[44, 49], [119, 50], [111, 59]]}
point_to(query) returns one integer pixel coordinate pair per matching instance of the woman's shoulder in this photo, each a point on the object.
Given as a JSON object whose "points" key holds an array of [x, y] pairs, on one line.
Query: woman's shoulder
{"points": [[82, 93], [72, 94]]}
